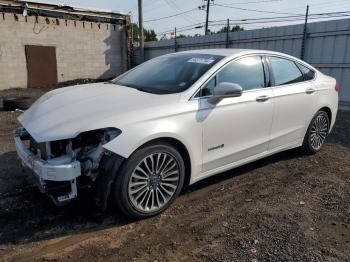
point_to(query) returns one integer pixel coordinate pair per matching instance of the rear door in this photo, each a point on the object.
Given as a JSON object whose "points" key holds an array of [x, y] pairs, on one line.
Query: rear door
{"points": [[294, 95]]}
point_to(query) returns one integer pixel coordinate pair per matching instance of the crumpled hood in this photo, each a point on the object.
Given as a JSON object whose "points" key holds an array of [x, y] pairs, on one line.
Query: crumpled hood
{"points": [[64, 113]]}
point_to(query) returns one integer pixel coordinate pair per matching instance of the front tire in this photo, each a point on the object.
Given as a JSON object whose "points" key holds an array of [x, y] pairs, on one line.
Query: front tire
{"points": [[149, 181], [316, 133]]}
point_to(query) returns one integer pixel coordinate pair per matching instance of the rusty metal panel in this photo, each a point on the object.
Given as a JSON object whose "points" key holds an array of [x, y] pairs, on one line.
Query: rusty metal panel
{"points": [[41, 65]]}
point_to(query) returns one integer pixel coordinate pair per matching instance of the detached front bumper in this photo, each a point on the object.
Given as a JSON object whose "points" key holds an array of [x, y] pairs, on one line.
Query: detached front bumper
{"points": [[49, 174]]}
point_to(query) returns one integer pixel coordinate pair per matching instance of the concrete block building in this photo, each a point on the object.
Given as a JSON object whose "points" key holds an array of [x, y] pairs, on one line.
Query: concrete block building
{"points": [[44, 44]]}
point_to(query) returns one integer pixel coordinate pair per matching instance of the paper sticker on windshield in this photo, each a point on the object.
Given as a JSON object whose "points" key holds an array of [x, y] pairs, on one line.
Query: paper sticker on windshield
{"points": [[198, 60]]}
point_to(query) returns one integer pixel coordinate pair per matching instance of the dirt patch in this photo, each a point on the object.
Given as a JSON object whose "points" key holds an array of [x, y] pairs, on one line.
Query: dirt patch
{"points": [[285, 207]]}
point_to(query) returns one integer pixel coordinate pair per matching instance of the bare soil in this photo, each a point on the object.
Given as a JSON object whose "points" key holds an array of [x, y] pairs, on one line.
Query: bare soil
{"points": [[288, 207]]}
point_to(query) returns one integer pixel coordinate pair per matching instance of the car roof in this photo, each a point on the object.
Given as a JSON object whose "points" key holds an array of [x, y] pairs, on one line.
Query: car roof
{"points": [[231, 51], [234, 52]]}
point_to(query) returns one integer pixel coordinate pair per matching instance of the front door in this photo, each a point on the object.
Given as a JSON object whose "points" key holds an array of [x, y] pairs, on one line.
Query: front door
{"points": [[236, 128]]}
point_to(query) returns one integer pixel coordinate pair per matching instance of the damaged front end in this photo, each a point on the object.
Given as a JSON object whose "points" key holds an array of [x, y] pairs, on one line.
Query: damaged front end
{"points": [[60, 167]]}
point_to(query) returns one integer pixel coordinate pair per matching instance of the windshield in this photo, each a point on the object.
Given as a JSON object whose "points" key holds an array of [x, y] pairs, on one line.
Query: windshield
{"points": [[168, 74]]}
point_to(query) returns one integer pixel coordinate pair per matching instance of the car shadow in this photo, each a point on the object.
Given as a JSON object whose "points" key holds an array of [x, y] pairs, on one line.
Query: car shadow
{"points": [[26, 215]]}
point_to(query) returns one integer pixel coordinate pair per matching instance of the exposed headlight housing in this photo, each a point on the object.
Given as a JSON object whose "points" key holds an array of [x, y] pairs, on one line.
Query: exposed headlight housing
{"points": [[111, 133]]}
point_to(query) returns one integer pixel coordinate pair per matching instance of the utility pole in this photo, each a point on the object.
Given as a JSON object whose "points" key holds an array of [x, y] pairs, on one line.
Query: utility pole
{"points": [[227, 34], [206, 8], [303, 43], [207, 17], [142, 45], [175, 41]]}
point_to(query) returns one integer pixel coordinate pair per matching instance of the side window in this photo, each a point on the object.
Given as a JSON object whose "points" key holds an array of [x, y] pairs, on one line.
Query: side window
{"points": [[285, 71], [308, 73], [248, 72]]}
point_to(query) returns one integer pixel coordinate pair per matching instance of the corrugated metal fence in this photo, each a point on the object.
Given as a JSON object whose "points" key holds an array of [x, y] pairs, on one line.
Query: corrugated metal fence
{"points": [[327, 46]]}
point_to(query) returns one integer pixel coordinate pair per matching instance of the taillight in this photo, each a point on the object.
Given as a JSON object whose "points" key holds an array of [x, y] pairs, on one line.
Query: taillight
{"points": [[337, 87]]}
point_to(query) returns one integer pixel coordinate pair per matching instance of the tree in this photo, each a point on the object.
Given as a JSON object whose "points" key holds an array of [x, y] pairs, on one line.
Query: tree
{"points": [[181, 36], [222, 30], [235, 28], [135, 32], [149, 35]]}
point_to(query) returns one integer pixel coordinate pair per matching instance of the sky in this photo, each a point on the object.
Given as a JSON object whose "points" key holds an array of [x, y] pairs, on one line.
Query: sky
{"points": [[235, 10]]}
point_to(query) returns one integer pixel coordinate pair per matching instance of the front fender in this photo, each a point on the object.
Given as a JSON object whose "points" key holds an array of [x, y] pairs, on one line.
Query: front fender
{"points": [[132, 138], [186, 131]]}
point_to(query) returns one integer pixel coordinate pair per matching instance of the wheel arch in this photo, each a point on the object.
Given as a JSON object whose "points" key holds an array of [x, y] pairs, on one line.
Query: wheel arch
{"points": [[123, 147], [328, 112], [178, 145], [113, 163], [307, 144], [325, 108]]}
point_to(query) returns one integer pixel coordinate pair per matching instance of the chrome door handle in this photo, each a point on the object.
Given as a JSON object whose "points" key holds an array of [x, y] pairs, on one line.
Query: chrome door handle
{"points": [[310, 91], [262, 98]]}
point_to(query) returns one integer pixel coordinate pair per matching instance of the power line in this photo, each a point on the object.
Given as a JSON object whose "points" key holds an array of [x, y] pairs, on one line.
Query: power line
{"points": [[254, 2], [283, 20], [254, 10], [186, 16], [170, 16], [148, 6], [281, 17], [248, 21], [184, 28], [330, 3], [173, 6], [194, 9]]}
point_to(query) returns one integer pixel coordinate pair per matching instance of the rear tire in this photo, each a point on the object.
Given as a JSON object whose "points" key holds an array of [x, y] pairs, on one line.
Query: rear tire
{"points": [[316, 133], [149, 181]]}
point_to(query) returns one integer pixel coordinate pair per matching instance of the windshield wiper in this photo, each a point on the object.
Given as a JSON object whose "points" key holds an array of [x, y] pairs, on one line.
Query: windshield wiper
{"points": [[144, 90]]}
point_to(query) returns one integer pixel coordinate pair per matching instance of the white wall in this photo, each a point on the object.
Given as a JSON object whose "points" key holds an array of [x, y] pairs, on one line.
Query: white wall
{"points": [[81, 52]]}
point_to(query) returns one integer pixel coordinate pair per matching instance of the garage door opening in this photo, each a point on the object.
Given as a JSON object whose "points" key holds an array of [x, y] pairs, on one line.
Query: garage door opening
{"points": [[41, 65]]}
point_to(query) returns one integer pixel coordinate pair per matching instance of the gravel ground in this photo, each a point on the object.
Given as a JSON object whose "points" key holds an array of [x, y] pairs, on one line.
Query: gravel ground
{"points": [[288, 207]]}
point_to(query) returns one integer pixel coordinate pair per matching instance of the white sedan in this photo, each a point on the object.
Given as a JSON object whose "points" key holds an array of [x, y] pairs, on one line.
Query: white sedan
{"points": [[173, 120]]}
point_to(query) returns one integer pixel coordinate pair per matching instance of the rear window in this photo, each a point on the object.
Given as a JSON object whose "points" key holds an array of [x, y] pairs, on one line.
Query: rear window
{"points": [[285, 71], [308, 73]]}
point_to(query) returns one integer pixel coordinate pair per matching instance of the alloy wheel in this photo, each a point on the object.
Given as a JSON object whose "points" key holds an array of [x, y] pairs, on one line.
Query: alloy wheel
{"points": [[153, 182], [319, 131]]}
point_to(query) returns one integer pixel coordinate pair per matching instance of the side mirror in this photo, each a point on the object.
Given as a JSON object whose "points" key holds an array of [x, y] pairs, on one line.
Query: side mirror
{"points": [[225, 90]]}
